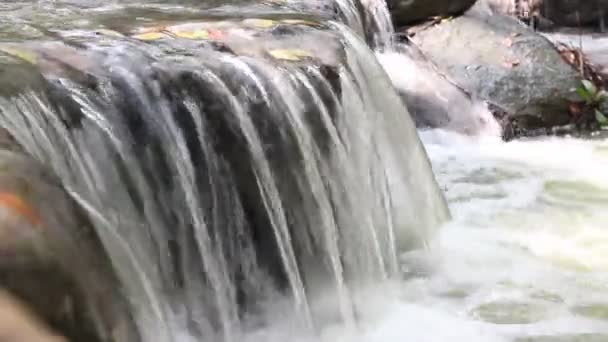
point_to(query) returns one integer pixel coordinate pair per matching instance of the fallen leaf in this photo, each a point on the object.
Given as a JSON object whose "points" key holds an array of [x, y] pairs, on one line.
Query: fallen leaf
{"points": [[198, 34], [289, 54], [260, 23], [508, 42], [149, 36], [19, 206], [300, 22], [21, 54]]}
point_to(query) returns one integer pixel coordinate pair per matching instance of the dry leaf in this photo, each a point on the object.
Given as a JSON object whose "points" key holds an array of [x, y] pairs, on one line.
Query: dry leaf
{"points": [[21, 54], [289, 54], [260, 23], [198, 34], [149, 36], [19, 206]]}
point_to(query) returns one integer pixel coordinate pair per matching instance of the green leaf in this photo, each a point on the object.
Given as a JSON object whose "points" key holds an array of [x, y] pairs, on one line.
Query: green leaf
{"points": [[602, 94], [601, 118], [584, 94], [591, 88]]}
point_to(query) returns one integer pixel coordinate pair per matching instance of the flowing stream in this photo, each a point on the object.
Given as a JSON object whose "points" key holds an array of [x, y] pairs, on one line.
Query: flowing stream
{"points": [[251, 184], [524, 258]]}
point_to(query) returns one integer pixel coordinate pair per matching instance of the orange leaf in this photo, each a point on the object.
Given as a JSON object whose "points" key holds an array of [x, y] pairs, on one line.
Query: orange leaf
{"points": [[216, 34], [19, 206]]}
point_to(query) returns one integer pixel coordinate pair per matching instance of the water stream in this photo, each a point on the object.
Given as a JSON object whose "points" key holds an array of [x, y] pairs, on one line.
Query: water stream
{"points": [[524, 258], [248, 191], [225, 163]]}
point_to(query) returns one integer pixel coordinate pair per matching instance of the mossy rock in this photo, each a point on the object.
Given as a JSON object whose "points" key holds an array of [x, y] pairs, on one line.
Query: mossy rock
{"points": [[510, 312]]}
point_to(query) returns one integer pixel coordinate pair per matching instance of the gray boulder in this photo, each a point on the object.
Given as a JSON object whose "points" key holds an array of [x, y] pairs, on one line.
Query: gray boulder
{"points": [[500, 60], [406, 12]]}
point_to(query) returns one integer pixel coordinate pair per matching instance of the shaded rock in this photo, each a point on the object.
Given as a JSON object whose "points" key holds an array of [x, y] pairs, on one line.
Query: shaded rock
{"points": [[52, 260], [574, 12], [593, 48], [502, 61], [551, 13], [407, 11], [18, 323], [434, 101], [527, 11]]}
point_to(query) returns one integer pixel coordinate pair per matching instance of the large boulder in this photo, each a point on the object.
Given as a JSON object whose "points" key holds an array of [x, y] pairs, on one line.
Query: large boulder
{"points": [[406, 12], [502, 61]]}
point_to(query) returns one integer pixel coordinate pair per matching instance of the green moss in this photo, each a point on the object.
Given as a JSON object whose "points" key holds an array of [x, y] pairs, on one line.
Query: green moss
{"points": [[510, 312], [595, 311]]}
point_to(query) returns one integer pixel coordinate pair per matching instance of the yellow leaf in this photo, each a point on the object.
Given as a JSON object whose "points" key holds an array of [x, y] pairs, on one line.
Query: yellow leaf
{"points": [[289, 54], [200, 34], [148, 36], [300, 21], [21, 54], [261, 23]]}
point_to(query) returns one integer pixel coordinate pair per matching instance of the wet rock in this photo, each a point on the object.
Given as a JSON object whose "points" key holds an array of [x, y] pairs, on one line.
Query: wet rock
{"points": [[406, 12], [52, 260], [598, 311], [432, 99], [279, 39], [565, 338], [500, 60], [276, 45], [510, 312], [18, 323]]}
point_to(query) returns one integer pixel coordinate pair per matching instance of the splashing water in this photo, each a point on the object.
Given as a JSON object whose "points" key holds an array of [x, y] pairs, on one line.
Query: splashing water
{"points": [[432, 98], [221, 181]]}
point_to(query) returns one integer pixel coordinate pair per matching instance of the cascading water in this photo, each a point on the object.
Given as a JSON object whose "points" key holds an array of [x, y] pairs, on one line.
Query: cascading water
{"points": [[224, 175]]}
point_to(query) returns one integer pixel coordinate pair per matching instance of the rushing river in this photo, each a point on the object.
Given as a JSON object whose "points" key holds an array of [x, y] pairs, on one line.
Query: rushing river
{"points": [[525, 257]]}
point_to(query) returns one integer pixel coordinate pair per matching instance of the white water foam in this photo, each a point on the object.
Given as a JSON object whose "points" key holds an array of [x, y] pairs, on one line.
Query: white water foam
{"points": [[419, 81], [526, 250]]}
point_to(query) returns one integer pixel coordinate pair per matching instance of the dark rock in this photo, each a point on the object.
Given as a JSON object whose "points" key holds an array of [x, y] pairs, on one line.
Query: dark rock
{"points": [[552, 13], [406, 12], [19, 323], [500, 60], [574, 12], [53, 261]]}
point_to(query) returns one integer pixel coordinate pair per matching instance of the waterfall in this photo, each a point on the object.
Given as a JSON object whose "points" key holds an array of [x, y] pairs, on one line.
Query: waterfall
{"points": [[219, 177]]}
